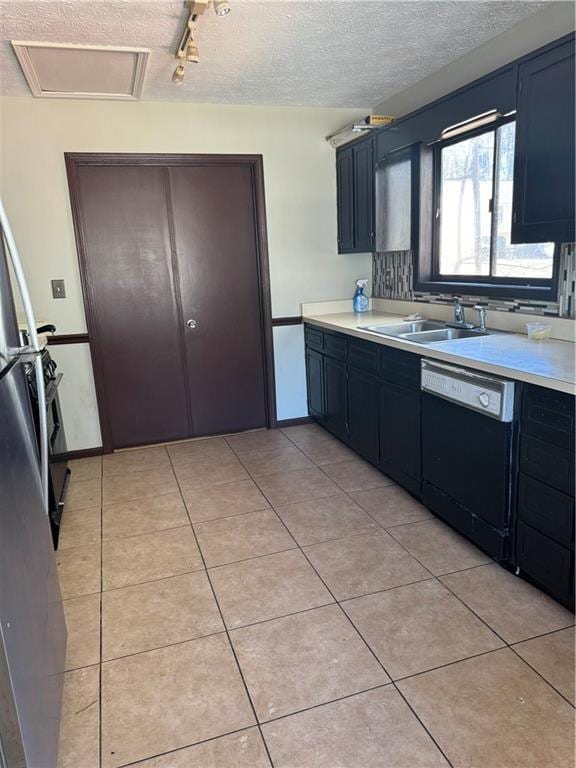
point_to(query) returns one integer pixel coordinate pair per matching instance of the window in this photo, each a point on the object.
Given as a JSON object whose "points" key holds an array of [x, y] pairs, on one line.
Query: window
{"points": [[474, 179]]}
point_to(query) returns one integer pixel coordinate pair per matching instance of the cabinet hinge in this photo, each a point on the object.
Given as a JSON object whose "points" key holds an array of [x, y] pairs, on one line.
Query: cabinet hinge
{"points": [[514, 217]]}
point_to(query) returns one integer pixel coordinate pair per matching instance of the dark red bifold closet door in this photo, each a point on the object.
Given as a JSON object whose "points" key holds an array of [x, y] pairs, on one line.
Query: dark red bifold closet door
{"points": [[174, 267], [217, 254], [131, 298]]}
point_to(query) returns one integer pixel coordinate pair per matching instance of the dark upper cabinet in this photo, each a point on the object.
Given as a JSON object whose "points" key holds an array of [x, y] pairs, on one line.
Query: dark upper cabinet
{"points": [[543, 206], [363, 414], [315, 383], [355, 190], [363, 196], [345, 195], [335, 398], [396, 200]]}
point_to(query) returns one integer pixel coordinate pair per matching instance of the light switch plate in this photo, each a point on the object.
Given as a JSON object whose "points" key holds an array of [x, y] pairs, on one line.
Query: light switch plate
{"points": [[58, 289]]}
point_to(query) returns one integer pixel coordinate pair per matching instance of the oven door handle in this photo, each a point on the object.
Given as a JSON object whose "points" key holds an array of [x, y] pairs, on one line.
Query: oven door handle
{"points": [[54, 434], [36, 350]]}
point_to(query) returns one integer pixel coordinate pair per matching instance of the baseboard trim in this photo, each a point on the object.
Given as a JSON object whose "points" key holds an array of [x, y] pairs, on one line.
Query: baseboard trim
{"points": [[291, 320], [85, 453], [67, 338], [293, 422]]}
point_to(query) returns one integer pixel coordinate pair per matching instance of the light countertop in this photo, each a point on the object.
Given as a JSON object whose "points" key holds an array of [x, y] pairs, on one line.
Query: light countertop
{"points": [[548, 363]]}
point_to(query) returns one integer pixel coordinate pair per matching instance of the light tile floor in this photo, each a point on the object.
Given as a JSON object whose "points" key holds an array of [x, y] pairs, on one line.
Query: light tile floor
{"points": [[268, 599]]}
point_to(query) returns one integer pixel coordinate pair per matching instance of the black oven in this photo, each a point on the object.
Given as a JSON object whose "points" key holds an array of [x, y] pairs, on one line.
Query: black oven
{"points": [[58, 471]]}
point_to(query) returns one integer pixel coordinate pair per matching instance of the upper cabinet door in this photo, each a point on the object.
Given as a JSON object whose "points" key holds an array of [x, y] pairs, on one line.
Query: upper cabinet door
{"points": [[395, 199], [363, 196], [543, 208], [345, 191]]}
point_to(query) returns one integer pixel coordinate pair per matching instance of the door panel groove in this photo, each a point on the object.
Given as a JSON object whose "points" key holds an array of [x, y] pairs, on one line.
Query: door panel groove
{"points": [[178, 296]]}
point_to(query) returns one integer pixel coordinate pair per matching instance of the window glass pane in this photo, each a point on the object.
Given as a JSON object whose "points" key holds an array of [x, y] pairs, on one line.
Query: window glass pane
{"points": [[465, 219], [533, 259]]}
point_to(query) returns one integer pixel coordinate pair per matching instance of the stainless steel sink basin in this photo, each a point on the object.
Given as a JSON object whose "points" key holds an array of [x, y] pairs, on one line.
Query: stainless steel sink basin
{"points": [[424, 331], [401, 329], [445, 334]]}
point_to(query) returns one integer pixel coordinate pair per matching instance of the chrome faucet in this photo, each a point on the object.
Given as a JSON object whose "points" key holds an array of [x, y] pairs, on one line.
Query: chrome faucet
{"points": [[482, 313], [458, 312], [459, 317]]}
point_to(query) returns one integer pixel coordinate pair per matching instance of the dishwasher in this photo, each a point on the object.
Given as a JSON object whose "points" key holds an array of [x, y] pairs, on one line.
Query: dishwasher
{"points": [[468, 453]]}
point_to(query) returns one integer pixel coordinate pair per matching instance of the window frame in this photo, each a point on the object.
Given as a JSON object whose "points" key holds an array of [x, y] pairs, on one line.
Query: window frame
{"points": [[545, 289]]}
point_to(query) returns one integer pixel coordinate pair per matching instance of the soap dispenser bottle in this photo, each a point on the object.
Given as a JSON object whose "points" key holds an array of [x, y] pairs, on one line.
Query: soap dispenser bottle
{"points": [[360, 302]]}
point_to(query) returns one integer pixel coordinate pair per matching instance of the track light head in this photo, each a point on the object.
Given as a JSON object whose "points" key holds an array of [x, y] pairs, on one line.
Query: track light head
{"points": [[192, 53], [222, 7], [178, 76]]}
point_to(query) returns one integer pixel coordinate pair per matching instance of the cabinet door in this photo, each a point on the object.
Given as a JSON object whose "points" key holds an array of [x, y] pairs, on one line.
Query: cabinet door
{"points": [[315, 384], [363, 196], [345, 194], [395, 195], [400, 456], [543, 206], [363, 414], [335, 403]]}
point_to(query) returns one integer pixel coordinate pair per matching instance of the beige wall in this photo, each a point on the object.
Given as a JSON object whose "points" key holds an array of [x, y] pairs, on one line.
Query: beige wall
{"points": [[300, 202]]}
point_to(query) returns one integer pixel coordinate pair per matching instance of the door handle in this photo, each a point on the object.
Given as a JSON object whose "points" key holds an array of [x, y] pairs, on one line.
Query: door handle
{"points": [[191, 323]]}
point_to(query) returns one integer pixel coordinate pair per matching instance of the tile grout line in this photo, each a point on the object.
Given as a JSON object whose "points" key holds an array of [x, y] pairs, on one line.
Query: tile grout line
{"points": [[360, 635], [186, 746], [439, 580], [486, 624], [298, 546], [231, 646]]}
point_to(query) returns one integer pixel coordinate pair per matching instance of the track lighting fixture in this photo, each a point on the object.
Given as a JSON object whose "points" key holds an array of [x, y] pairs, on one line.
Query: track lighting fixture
{"points": [[178, 76], [222, 7], [187, 51]]}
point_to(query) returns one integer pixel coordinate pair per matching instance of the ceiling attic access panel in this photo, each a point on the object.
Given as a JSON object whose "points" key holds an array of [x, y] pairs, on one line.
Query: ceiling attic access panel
{"points": [[62, 71]]}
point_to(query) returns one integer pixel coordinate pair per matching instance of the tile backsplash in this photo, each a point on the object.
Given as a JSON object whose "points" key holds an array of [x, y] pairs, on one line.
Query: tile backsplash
{"points": [[393, 275], [393, 278]]}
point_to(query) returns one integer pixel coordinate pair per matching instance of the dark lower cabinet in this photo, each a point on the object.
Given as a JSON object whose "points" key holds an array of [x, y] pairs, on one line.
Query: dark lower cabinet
{"points": [[545, 506], [368, 395], [547, 563], [315, 383], [363, 414], [399, 426], [335, 399]]}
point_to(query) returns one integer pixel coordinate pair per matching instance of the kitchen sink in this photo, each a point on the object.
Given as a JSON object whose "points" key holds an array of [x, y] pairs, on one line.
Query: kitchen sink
{"points": [[416, 326], [445, 334], [424, 331]]}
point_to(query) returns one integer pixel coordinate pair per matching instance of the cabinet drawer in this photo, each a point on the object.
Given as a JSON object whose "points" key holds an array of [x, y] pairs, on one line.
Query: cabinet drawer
{"points": [[547, 510], [314, 338], [549, 416], [363, 355], [400, 367], [548, 463], [545, 561], [335, 346]]}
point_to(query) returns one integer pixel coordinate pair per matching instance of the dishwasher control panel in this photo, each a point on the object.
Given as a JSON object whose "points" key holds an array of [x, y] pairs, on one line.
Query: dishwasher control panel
{"points": [[486, 394]]}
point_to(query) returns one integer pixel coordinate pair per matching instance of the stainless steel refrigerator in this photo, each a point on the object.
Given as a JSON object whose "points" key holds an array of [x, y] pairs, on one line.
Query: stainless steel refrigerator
{"points": [[32, 627]]}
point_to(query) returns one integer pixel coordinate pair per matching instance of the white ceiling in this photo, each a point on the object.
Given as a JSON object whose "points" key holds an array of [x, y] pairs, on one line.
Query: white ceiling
{"points": [[330, 53]]}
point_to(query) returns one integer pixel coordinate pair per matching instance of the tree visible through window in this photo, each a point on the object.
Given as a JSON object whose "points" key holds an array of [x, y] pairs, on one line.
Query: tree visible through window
{"points": [[475, 212]]}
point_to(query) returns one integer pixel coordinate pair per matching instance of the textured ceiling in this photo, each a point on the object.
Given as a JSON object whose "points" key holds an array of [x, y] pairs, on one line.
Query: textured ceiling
{"points": [[331, 53]]}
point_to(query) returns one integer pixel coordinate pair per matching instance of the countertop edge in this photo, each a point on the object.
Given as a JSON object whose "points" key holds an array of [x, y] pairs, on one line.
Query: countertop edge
{"points": [[516, 374]]}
